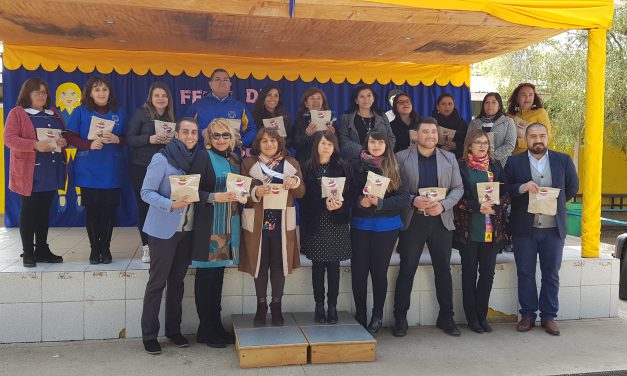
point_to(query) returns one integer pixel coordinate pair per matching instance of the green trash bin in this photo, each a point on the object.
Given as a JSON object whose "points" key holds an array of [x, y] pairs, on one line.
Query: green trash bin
{"points": [[573, 218]]}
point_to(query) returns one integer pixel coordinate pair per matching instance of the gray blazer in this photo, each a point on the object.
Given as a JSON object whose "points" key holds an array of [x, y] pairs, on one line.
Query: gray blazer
{"points": [[349, 138], [448, 177], [504, 131]]}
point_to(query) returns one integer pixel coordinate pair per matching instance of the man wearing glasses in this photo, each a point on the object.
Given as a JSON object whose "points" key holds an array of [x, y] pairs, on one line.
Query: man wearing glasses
{"points": [[220, 104]]}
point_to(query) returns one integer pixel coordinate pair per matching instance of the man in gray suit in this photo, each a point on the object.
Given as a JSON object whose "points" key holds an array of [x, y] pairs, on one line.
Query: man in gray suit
{"points": [[427, 221]]}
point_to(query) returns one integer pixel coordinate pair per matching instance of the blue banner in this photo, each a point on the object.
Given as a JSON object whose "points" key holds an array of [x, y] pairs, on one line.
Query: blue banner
{"points": [[132, 90]]}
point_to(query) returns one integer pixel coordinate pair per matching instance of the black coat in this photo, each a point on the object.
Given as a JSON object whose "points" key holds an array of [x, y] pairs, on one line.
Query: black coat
{"points": [[393, 202], [137, 137], [203, 211]]}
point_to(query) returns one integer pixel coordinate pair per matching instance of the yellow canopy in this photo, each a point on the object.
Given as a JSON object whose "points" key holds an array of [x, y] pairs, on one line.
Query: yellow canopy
{"points": [[68, 59], [554, 14]]}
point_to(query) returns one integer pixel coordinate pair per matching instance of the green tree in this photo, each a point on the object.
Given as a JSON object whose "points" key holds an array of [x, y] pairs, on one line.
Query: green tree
{"points": [[558, 69]]}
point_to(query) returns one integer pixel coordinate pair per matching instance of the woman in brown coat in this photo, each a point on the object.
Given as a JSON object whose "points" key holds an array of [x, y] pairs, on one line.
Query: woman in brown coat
{"points": [[269, 235]]}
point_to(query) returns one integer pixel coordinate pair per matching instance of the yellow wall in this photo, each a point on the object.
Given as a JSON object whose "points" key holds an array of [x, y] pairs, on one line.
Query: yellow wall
{"points": [[614, 170]]}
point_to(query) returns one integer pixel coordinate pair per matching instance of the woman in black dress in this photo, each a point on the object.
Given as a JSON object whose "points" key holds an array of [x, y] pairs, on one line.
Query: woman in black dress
{"points": [[324, 229]]}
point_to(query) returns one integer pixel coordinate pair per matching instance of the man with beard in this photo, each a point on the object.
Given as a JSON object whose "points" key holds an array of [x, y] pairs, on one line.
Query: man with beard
{"points": [[536, 235]]}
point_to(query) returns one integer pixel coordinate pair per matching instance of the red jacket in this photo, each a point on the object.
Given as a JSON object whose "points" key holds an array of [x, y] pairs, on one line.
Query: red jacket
{"points": [[20, 138]]}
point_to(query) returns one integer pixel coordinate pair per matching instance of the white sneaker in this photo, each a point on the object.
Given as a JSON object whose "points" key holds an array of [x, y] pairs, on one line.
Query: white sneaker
{"points": [[146, 256]]}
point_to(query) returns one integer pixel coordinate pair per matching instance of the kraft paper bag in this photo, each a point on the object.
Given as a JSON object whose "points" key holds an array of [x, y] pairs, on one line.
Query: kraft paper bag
{"points": [[184, 187], [320, 119], [238, 184], [51, 136], [488, 191], [544, 202], [413, 137], [445, 135], [98, 127], [164, 128], [276, 199], [521, 127], [376, 185], [433, 193], [491, 139], [333, 187], [277, 124]]}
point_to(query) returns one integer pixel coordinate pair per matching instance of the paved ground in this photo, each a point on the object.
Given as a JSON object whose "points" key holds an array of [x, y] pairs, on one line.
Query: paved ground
{"points": [[584, 346]]}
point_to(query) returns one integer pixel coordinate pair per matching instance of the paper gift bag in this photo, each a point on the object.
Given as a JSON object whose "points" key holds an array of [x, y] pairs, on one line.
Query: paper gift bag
{"points": [[491, 139], [238, 184], [235, 125], [433, 193], [521, 127], [445, 135], [544, 202], [276, 199], [333, 187], [276, 123], [99, 127], [376, 185], [488, 191], [51, 136], [320, 119], [413, 137], [164, 128], [184, 187]]}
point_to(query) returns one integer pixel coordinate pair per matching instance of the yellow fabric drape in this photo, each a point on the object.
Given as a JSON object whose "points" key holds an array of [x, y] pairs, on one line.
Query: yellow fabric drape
{"points": [[105, 61], [593, 144], [554, 14]]}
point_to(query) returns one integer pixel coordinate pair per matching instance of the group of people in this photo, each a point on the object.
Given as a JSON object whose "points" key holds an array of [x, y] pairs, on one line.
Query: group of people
{"points": [[431, 199]]}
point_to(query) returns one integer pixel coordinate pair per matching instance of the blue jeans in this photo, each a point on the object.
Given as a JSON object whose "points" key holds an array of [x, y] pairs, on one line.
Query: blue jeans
{"points": [[546, 244]]}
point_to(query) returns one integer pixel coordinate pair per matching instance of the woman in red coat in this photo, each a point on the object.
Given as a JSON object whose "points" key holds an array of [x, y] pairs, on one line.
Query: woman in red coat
{"points": [[33, 134]]}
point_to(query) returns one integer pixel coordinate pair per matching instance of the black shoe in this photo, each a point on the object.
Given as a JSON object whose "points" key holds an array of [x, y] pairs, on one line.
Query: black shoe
{"points": [[486, 327], [29, 260], [319, 316], [43, 254], [260, 315], [375, 325], [94, 256], [362, 320], [475, 326], [277, 315], [152, 347], [400, 328], [179, 340], [449, 327], [228, 338], [332, 314], [105, 256]]}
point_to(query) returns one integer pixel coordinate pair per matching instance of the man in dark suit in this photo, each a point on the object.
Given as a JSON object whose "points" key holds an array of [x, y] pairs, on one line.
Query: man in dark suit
{"points": [[540, 235]]}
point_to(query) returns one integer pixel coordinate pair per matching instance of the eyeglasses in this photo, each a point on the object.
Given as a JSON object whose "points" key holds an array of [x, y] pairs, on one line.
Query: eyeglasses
{"points": [[480, 144], [225, 80], [225, 135], [39, 92]]}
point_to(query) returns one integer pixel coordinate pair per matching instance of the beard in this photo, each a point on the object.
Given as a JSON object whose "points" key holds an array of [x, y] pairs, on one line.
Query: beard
{"points": [[538, 149]]}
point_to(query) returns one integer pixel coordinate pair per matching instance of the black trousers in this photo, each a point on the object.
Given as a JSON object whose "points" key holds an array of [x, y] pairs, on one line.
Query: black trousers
{"points": [[169, 259], [138, 173], [208, 296], [332, 269], [99, 224], [481, 256], [430, 230], [35, 219], [371, 255], [271, 258]]}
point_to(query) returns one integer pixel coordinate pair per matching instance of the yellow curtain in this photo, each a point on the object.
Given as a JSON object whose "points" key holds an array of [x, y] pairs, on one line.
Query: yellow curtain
{"points": [[105, 61], [554, 14]]}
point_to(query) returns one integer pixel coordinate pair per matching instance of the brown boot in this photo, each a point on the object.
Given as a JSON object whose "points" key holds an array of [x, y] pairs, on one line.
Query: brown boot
{"points": [[525, 324], [277, 315], [260, 315], [550, 327]]}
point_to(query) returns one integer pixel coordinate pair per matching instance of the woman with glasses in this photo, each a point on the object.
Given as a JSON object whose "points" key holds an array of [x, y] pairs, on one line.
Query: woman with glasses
{"points": [[479, 225], [216, 236], [219, 103], [499, 127], [37, 166]]}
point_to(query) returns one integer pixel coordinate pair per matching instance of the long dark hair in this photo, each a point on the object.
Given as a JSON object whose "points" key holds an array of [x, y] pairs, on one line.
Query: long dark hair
{"points": [[498, 98], [152, 111], [389, 165], [354, 106], [308, 93], [259, 109], [30, 85], [88, 101], [313, 163], [413, 116], [512, 102]]}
